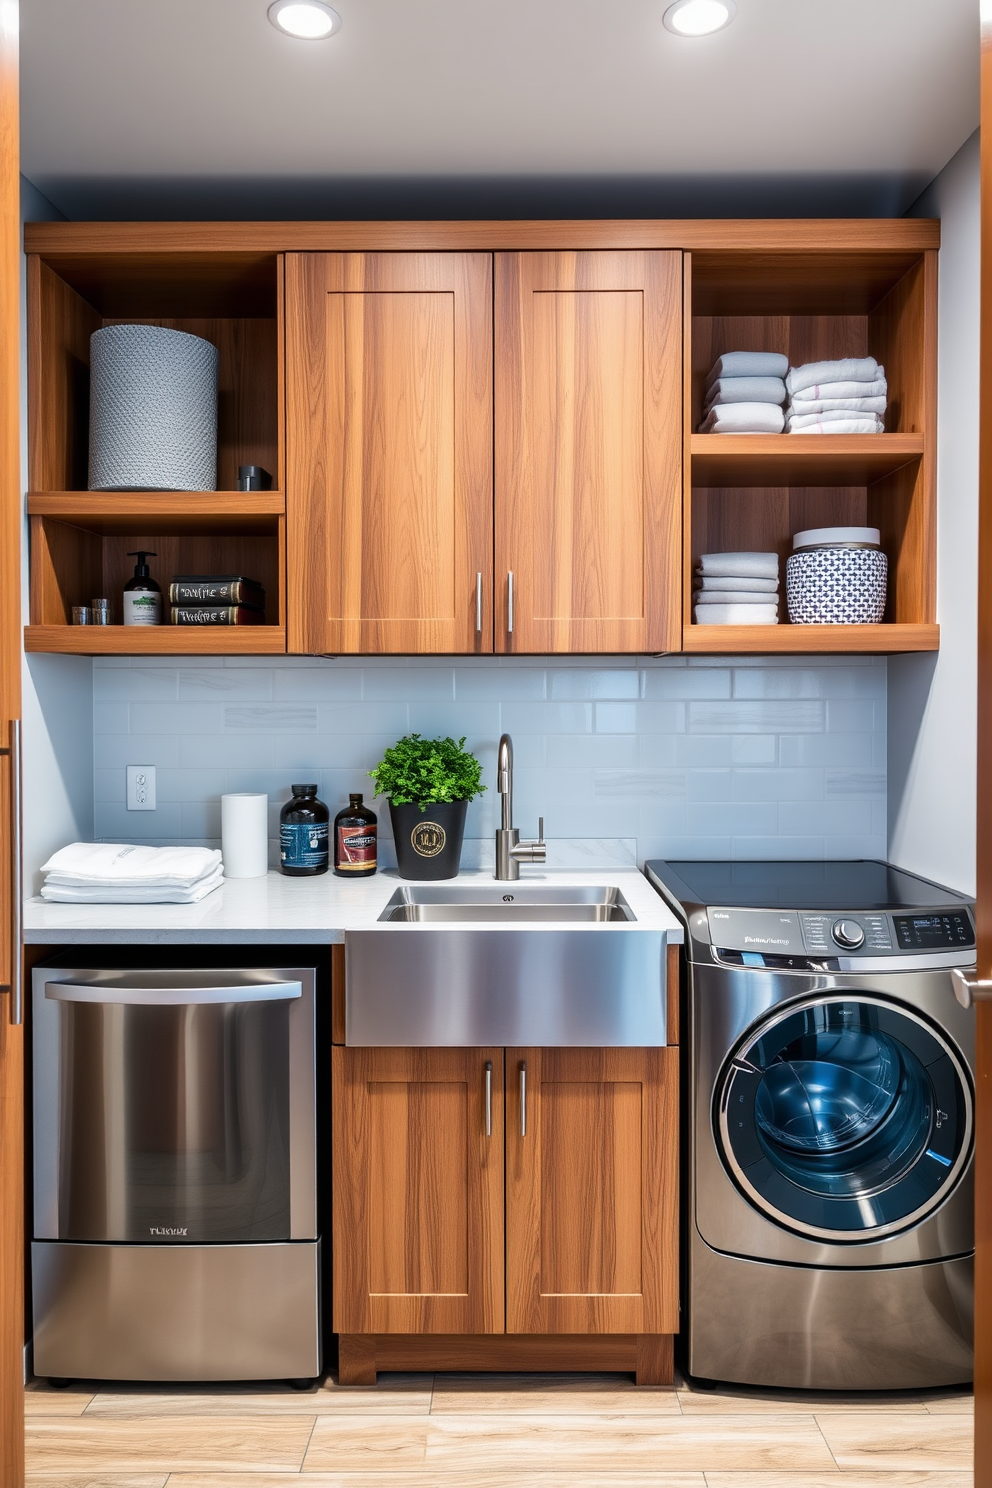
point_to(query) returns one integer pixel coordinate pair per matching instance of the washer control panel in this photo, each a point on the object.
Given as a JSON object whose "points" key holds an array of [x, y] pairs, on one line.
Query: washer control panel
{"points": [[793, 939], [825, 934]]}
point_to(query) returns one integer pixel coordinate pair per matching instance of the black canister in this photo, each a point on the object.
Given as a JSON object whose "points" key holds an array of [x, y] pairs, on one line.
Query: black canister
{"points": [[304, 833]]}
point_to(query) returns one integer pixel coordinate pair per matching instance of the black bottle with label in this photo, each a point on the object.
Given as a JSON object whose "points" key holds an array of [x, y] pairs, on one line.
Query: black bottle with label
{"points": [[304, 829], [355, 840]]}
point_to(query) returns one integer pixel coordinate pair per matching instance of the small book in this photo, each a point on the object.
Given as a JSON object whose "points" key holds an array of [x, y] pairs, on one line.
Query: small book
{"points": [[216, 589], [202, 614]]}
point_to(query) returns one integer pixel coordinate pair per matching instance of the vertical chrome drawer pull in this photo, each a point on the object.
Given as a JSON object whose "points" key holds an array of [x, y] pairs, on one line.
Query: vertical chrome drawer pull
{"points": [[16, 984], [489, 1098], [509, 602], [523, 1097], [478, 603]]}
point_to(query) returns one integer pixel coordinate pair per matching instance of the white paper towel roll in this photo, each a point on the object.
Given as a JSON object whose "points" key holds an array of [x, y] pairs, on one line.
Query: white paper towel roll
{"points": [[244, 832]]}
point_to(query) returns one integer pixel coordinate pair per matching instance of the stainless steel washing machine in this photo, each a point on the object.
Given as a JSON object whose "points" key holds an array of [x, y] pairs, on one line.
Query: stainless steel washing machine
{"points": [[828, 1198]]}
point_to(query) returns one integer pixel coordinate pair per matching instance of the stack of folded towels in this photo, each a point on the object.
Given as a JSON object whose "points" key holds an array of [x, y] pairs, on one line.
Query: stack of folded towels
{"points": [[845, 397], [737, 589], [112, 873], [745, 392]]}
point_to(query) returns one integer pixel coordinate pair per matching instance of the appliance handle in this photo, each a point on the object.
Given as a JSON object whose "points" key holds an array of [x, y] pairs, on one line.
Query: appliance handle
{"points": [[969, 992], [16, 984], [137, 996]]}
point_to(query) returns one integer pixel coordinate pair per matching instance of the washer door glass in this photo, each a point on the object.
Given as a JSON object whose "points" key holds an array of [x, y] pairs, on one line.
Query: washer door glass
{"points": [[842, 1116]]}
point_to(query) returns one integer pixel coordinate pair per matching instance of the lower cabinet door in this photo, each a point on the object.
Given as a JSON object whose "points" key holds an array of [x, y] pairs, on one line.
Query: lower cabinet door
{"points": [[418, 1190], [592, 1190]]}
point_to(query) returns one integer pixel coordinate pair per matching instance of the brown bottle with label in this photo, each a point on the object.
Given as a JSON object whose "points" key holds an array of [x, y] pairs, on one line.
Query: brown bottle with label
{"points": [[355, 831]]}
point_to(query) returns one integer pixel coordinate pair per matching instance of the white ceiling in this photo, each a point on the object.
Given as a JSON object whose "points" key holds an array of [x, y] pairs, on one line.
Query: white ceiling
{"points": [[204, 95]]}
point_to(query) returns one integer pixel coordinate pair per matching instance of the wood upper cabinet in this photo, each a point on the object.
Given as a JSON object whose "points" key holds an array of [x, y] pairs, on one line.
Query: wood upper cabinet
{"points": [[389, 451], [588, 457], [592, 1191], [418, 1191]]}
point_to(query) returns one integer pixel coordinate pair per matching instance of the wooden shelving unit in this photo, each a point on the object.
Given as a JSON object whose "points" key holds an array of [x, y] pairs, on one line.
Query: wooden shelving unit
{"points": [[753, 492], [80, 538]]}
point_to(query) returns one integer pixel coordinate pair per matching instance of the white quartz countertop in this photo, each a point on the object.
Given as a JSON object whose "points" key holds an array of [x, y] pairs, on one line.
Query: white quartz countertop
{"points": [[317, 911]]}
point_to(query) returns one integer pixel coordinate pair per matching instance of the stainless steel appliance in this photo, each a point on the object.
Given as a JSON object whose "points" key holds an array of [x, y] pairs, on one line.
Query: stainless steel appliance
{"points": [[828, 1221], [175, 1206]]}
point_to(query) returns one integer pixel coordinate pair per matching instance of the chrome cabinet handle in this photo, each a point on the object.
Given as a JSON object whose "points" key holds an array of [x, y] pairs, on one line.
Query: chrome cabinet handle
{"points": [[16, 984], [509, 601], [478, 603], [523, 1097], [489, 1098], [968, 992]]}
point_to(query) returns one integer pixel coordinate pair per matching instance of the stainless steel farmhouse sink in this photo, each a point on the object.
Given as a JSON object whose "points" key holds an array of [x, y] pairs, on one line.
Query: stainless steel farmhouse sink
{"points": [[506, 965], [586, 905]]}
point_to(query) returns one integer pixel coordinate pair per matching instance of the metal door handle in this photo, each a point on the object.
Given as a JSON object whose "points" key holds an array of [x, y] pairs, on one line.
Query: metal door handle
{"points": [[968, 992], [16, 984], [478, 603], [137, 996], [489, 1098], [523, 1097], [509, 602]]}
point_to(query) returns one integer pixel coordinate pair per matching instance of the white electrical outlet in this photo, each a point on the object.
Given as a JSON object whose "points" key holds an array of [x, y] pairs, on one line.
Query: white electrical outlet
{"points": [[141, 787]]}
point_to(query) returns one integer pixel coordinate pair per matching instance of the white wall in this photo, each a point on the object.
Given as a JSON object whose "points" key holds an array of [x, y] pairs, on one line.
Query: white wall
{"points": [[932, 699], [57, 692]]}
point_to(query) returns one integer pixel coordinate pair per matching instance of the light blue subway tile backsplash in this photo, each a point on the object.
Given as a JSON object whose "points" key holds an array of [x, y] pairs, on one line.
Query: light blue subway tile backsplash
{"points": [[726, 757]]}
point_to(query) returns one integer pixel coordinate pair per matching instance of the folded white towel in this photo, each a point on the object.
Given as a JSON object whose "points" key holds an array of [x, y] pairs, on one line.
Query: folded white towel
{"points": [[800, 407], [706, 597], [748, 364], [850, 369], [739, 565], [131, 893], [735, 614], [877, 389], [745, 390], [743, 418], [99, 863], [719, 583], [845, 423]]}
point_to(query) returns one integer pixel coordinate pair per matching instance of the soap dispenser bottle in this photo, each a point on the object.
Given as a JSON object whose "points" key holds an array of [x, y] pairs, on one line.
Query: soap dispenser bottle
{"points": [[142, 596]]}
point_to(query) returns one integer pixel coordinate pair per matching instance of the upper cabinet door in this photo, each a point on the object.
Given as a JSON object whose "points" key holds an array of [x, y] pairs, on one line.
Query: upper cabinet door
{"points": [[588, 451], [389, 452]]}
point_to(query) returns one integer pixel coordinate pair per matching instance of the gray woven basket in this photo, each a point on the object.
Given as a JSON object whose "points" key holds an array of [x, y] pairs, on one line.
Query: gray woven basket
{"points": [[153, 410]]}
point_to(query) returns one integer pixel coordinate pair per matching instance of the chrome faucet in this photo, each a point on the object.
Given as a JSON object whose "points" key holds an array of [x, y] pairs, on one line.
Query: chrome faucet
{"points": [[510, 851]]}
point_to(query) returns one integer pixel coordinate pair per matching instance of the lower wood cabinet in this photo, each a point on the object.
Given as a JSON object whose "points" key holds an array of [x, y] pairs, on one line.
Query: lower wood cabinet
{"points": [[527, 1192]]}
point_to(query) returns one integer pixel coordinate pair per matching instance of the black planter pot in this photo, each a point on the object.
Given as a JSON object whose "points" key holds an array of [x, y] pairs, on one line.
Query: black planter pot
{"points": [[429, 842]]}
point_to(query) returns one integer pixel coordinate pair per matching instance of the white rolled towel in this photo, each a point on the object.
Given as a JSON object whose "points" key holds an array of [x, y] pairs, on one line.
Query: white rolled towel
{"points": [[736, 614], [849, 369], [707, 597], [800, 406], [866, 423], [720, 583], [130, 893], [100, 863], [745, 390], [877, 389], [748, 364], [739, 565], [743, 418]]}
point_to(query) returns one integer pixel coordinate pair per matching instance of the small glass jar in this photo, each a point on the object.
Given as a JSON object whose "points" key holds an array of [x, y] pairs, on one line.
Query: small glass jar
{"points": [[304, 833], [355, 840]]}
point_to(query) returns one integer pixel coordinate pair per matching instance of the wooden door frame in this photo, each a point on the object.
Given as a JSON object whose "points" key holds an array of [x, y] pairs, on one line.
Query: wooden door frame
{"points": [[12, 1230]]}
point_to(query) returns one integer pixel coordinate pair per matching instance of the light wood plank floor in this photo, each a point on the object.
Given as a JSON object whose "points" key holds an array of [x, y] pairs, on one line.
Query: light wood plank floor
{"points": [[493, 1431]]}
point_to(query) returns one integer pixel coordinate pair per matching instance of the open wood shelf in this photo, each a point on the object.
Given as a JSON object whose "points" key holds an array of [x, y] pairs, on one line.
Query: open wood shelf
{"points": [[111, 513], [799, 459], [796, 639], [156, 640]]}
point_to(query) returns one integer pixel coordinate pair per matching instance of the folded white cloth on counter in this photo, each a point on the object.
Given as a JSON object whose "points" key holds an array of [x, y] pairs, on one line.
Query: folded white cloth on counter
{"points": [[98, 864], [60, 893], [743, 418], [748, 364], [837, 405], [707, 597], [849, 369], [719, 583], [877, 389], [736, 614], [844, 423], [745, 390], [738, 565]]}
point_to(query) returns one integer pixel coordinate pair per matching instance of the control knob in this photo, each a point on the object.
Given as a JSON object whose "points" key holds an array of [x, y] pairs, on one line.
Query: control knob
{"points": [[849, 934]]}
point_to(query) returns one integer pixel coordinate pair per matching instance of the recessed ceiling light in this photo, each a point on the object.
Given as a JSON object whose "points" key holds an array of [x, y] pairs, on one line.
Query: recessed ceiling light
{"points": [[310, 20], [699, 17]]}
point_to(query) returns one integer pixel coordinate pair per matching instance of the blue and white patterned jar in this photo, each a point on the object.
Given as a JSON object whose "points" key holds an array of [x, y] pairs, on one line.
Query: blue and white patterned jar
{"points": [[841, 583]]}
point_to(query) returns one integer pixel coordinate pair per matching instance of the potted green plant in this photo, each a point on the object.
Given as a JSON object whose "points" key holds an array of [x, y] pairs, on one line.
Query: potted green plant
{"points": [[429, 783]]}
